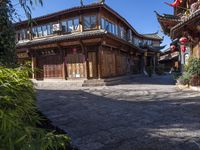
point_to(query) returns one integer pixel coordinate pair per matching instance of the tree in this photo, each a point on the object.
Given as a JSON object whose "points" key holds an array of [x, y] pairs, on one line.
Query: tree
{"points": [[7, 35], [8, 15], [19, 118]]}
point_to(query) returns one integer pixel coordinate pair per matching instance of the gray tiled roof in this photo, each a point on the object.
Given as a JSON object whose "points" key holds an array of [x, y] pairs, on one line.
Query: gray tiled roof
{"points": [[170, 56], [60, 38], [77, 35], [168, 17], [156, 48], [153, 36], [194, 15]]}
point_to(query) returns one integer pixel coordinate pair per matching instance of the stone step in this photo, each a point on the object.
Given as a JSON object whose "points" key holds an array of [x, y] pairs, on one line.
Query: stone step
{"points": [[105, 82], [57, 84]]}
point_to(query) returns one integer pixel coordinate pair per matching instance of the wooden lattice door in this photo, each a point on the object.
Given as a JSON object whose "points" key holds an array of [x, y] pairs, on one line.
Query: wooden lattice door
{"points": [[92, 65]]}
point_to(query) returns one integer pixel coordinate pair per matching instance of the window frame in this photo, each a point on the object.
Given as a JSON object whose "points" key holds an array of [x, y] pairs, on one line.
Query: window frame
{"points": [[73, 25], [90, 16]]}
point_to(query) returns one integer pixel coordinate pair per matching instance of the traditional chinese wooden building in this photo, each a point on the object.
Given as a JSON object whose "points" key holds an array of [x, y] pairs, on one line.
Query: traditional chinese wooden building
{"points": [[170, 59], [90, 42], [183, 27]]}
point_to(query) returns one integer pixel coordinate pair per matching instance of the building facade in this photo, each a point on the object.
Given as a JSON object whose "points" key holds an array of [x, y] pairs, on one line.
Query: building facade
{"points": [[184, 28], [90, 42], [170, 60]]}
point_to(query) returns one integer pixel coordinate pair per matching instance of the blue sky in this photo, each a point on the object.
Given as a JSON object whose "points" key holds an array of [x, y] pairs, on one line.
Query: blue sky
{"points": [[140, 14]]}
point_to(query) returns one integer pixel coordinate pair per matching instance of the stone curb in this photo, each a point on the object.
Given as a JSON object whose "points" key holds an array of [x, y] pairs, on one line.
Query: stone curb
{"points": [[194, 88]]}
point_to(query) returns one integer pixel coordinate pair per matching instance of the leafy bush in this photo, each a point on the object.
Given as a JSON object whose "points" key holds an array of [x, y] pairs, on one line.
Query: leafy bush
{"points": [[195, 80], [193, 66], [19, 117], [191, 74], [184, 79]]}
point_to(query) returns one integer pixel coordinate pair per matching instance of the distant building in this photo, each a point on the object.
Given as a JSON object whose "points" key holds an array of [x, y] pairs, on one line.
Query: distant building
{"points": [[170, 59], [90, 42]]}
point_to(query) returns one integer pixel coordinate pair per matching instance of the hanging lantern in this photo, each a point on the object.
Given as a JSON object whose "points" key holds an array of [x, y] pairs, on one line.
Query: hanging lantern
{"points": [[183, 40], [183, 48], [172, 47], [74, 50]]}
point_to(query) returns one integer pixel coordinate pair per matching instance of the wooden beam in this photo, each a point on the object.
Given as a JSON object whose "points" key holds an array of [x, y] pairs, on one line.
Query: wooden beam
{"points": [[99, 62]]}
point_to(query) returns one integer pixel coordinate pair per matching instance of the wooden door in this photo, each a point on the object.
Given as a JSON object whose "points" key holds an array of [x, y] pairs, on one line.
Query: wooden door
{"points": [[92, 65], [76, 67], [50, 66], [39, 73], [108, 64]]}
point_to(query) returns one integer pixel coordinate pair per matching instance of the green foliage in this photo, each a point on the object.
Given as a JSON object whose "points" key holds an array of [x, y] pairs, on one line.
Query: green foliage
{"points": [[7, 36], [19, 117], [8, 14], [191, 73], [195, 80], [193, 67], [184, 79]]}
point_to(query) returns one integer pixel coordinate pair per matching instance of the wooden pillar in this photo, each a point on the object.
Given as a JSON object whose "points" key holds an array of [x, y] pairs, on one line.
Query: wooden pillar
{"points": [[154, 63], [99, 19], [115, 53], [62, 53], [199, 50], [145, 58], [64, 64], [99, 61], [33, 66], [81, 23], [33, 63], [84, 51]]}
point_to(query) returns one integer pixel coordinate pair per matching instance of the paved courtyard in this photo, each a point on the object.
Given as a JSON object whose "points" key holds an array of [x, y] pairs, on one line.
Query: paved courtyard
{"points": [[140, 114]]}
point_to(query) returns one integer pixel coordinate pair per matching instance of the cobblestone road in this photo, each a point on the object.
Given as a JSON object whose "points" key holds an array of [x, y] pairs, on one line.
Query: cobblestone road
{"points": [[139, 114]]}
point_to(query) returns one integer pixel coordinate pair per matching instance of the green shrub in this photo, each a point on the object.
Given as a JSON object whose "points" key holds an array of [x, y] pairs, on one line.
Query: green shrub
{"points": [[191, 73], [19, 117], [195, 80], [184, 79], [193, 66]]}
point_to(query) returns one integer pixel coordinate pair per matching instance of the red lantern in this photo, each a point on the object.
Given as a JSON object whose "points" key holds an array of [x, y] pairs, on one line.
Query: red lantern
{"points": [[183, 48], [74, 50], [172, 47], [183, 40]]}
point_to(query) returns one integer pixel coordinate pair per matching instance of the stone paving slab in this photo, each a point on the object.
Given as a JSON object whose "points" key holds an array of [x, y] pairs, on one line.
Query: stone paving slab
{"points": [[140, 114]]}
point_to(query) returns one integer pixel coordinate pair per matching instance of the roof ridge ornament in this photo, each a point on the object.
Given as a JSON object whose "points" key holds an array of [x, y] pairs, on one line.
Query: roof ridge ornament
{"points": [[102, 1]]}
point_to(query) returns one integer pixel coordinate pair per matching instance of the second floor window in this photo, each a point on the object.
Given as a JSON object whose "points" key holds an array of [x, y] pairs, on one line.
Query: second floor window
{"points": [[22, 35], [39, 30], [44, 30], [70, 25], [90, 22], [109, 26], [64, 26]]}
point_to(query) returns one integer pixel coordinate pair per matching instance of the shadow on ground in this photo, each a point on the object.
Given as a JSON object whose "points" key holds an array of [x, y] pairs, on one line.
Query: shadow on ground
{"points": [[154, 80], [160, 121]]}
